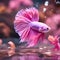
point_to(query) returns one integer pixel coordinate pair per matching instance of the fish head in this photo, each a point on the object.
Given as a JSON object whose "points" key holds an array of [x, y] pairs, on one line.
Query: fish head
{"points": [[44, 28]]}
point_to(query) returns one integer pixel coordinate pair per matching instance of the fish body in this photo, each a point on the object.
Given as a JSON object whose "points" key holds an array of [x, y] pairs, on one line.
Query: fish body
{"points": [[42, 27], [28, 27]]}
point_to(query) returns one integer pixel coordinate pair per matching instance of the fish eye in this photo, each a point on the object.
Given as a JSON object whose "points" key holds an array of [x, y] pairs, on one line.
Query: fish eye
{"points": [[47, 28]]}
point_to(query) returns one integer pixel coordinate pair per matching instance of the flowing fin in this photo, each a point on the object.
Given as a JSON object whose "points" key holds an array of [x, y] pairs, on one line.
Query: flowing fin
{"points": [[22, 22]]}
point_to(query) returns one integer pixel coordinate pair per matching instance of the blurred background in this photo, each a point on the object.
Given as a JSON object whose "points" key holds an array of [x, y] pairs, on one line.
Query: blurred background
{"points": [[49, 13]]}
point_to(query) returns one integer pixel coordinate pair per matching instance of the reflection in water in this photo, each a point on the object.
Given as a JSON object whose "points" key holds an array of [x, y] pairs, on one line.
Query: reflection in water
{"points": [[27, 57], [43, 52]]}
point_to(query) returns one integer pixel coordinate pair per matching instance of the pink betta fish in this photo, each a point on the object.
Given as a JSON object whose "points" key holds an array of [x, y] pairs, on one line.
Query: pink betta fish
{"points": [[28, 27]]}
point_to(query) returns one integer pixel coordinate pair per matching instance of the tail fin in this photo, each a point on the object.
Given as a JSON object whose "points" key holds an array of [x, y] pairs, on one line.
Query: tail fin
{"points": [[22, 20]]}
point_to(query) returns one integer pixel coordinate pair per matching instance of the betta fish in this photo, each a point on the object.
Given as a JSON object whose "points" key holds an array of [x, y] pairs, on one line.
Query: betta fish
{"points": [[28, 27]]}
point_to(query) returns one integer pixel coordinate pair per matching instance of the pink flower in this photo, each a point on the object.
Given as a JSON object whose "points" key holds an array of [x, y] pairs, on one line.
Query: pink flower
{"points": [[54, 41]]}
